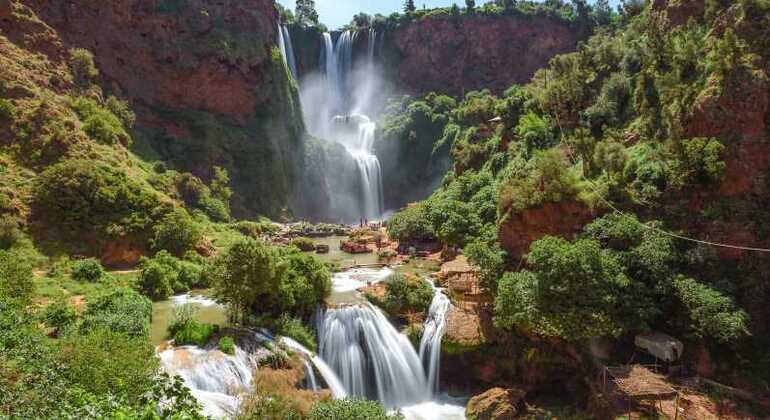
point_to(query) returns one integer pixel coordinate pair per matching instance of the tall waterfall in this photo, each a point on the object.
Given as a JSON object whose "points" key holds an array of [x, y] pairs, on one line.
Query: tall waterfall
{"points": [[287, 49], [371, 358], [432, 333], [336, 110]]}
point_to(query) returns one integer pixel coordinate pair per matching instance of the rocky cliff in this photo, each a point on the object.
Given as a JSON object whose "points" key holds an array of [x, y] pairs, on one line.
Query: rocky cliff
{"points": [[456, 55], [206, 81]]}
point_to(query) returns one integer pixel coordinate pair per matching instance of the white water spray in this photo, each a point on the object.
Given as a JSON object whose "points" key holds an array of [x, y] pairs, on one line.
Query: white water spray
{"points": [[371, 358], [432, 333]]}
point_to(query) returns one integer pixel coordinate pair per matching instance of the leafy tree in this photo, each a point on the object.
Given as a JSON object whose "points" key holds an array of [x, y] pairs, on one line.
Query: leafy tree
{"points": [[177, 233], [220, 185], [411, 224], [407, 294], [409, 7], [573, 291], [362, 20], [534, 131], [712, 315], [305, 12], [470, 6], [157, 279]]}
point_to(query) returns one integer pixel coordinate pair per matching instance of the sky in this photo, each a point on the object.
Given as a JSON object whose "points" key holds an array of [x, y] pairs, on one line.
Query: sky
{"points": [[337, 13]]}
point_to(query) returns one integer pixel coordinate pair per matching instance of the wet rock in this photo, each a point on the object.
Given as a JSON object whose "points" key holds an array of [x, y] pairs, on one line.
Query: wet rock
{"points": [[495, 404]]}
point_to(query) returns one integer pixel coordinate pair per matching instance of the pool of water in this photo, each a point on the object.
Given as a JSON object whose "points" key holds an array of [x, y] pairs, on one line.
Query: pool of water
{"points": [[163, 313]]}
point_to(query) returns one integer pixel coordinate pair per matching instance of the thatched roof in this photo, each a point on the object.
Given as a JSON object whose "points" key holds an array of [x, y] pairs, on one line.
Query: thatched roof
{"points": [[639, 382]]}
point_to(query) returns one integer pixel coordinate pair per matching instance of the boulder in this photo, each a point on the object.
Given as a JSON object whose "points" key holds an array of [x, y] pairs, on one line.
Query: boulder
{"points": [[322, 249], [495, 404], [352, 247]]}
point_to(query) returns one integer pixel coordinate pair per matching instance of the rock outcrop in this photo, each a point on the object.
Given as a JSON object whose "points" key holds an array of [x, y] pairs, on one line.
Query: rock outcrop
{"points": [[207, 83], [495, 404], [457, 55]]}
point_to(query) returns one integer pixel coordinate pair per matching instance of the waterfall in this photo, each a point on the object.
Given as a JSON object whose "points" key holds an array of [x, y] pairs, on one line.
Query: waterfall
{"points": [[371, 358], [215, 379], [348, 91], [336, 387], [432, 333], [287, 48]]}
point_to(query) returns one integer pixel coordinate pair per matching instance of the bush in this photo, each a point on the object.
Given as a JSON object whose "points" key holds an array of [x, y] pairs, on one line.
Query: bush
{"points": [[303, 244], [82, 66], [294, 328], [122, 110], [102, 361], [226, 345], [407, 294], [157, 279], [7, 109], [185, 330], [350, 409], [10, 231], [177, 233], [122, 310], [16, 280], [59, 315], [79, 197], [99, 123], [214, 208], [89, 270]]}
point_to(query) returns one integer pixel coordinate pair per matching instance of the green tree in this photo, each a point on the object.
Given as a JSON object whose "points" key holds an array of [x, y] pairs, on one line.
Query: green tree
{"points": [[573, 291], [177, 233], [409, 7], [305, 12], [470, 6], [712, 314], [121, 310], [82, 66], [89, 270]]}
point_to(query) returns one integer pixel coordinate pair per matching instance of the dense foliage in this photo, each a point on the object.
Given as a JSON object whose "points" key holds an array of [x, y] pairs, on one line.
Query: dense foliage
{"points": [[406, 294], [350, 409]]}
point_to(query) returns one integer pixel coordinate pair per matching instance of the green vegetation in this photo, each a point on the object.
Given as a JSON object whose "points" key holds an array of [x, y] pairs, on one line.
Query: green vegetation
{"points": [[226, 345], [350, 409], [185, 330], [89, 270], [121, 310], [404, 294], [303, 244], [164, 275], [255, 279]]}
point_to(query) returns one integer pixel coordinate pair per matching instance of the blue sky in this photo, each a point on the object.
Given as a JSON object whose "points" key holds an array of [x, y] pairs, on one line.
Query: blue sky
{"points": [[337, 13]]}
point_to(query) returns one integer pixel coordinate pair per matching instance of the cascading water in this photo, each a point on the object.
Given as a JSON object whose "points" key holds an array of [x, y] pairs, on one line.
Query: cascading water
{"points": [[287, 49], [336, 111], [432, 333], [370, 357]]}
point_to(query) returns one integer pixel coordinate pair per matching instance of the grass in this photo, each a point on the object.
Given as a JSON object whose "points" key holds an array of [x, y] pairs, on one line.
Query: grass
{"points": [[63, 286]]}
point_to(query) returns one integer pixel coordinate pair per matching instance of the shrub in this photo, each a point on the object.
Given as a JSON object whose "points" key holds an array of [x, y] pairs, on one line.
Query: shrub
{"points": [[303, 244], [214, 208], [7, 109], [157, 279], [82, 66], [10, 231], [59, 315], [16, 280], [122, 110], [350, 409], [89, 270], [159, 167], [194, 333], [83, 196], [226, 345], [406, 294], [296, 330], [177, 233], [102, 361], [99, 123], [550, 179], [122, 310]]}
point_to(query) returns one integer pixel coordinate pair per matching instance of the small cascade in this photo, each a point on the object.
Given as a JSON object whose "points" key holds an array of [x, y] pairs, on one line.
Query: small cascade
{"points": [[372, 359], [215, 379], [432, 333], [336, 387], [287, 48], [310, 375]]}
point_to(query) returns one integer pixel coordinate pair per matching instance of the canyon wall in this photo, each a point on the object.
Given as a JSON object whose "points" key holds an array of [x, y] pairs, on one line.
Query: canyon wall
{"points": [[206, 81]]}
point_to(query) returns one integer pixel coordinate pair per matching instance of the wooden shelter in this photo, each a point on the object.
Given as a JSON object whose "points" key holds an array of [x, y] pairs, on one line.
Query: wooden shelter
{"points": [[637, 383]]}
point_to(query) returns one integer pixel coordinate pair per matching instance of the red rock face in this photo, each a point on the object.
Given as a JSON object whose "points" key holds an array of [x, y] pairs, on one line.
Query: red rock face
{"points": [[558, 219], [197, 57], [493, 52]]}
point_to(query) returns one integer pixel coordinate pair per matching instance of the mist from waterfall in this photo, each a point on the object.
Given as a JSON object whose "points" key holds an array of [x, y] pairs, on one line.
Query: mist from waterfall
{"points": [[338, 102]]}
